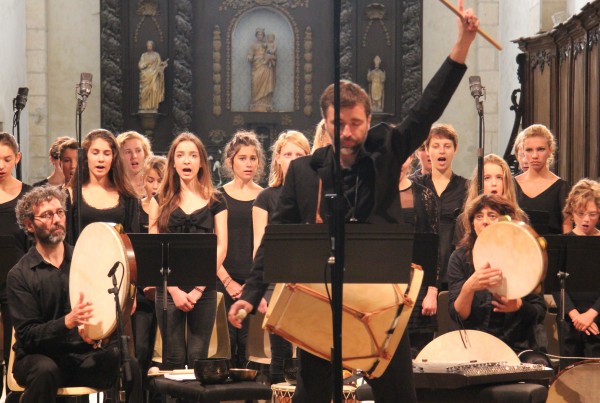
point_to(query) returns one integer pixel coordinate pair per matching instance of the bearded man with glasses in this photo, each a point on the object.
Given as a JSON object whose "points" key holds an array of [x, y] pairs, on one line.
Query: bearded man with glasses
{"points": [[51, 348]]}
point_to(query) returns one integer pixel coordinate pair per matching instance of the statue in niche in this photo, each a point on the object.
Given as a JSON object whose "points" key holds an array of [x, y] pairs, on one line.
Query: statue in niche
{"points": [[376, 78], [263, 59], [152, 78]]}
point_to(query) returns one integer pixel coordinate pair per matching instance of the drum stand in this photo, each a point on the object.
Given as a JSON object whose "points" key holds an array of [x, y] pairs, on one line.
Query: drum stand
{"points": [[124, 364], [166, 259]]}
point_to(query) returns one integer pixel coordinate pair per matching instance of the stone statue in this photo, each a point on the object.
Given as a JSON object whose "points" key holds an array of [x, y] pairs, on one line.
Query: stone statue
{"points": [[376, 78], [152, 79], [263, 59]]}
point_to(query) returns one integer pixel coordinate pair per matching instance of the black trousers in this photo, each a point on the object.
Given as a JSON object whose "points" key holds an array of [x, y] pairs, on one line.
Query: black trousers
{"points": [[314, 382], [42, 375]]}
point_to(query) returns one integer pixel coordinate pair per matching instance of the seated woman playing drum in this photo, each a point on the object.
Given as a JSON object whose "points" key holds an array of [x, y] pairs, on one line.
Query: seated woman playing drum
{"points": [[471, 304]]}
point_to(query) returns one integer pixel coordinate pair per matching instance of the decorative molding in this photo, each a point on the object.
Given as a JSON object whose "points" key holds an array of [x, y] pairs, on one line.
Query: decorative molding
{"points": [[286, 120], [593, 38], [578, 47], [217, 68], [294, 25], [148, 9], [410, 40], [346, 40], [217, 136], [238, 4], [376, 12], [110, 66], [543, 58], [238, 120], [308, 71], [182, 51]]}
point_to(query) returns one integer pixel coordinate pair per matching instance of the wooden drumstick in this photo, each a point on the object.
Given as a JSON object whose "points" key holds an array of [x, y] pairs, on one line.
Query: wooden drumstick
{"points": [[241, 314], [479, 30]]}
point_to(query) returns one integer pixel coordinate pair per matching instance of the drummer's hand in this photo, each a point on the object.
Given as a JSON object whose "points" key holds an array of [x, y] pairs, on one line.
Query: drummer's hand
{"points": [[503, 304], [234, 289], [262, 307], [81, 313], [181, 299], [583, 321], [430, 302], [150, 293], [485, 278], [235, 318], [85, 337]]}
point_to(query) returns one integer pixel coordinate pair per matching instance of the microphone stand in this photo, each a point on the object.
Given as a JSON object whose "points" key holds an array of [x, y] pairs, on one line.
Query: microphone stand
{"points": [[124, 359], [81, 104], [336, 227], [17, 127], [480, 149]]}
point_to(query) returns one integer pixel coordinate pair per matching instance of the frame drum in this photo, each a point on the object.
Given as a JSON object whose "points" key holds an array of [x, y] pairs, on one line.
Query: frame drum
{"points": [[97, 249], [374, 318], [579, 382], [516, 249]]}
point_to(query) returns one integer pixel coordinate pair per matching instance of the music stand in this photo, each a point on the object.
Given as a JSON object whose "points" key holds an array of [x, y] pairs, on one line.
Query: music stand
{"points": [[167, 259], [9, 256], [299, 253], [575, 258]]}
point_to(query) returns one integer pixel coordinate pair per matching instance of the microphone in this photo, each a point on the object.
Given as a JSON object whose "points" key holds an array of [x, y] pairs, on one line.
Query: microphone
{"points": [[113, 269], [85, 85], [21, 98], [475, 87]]}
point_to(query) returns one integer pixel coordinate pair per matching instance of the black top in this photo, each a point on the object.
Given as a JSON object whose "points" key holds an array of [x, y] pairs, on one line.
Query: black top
{"points": [[126, 213], [39, 300], [240, 239], [580, 300], [41, 183], [8, 222], [200, 221], [377, 169], [450, 205], [267, 200], [552, 201], [144, 220], [517, 329]]}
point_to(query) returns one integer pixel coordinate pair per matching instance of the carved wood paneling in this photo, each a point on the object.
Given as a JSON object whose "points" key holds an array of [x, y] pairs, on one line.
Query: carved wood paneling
{"points": [[182, 83], [111, 66]]}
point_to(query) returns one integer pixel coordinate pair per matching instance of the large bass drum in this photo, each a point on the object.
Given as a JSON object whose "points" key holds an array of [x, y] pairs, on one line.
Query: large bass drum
{"points": [[374, 318], [579, 382], [516, 249], [99, 247]]}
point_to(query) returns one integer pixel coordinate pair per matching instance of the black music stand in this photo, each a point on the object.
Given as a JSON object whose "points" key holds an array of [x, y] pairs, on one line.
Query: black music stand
{"points": [[174, 260], [9, 256], [299, 253], [575, 258]]}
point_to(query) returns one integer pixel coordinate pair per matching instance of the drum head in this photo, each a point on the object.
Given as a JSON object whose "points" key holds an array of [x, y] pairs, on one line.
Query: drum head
{"points": [[98, 248], [513, 248], [473, 345], [578, 383]]}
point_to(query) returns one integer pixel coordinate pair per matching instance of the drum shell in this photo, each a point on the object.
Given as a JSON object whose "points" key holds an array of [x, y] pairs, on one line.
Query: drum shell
{"points": [[98, 247], [301, 313]]}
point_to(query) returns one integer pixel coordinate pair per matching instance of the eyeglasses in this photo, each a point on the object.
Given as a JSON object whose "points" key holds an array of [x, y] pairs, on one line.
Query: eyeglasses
{"points": [[593, 215], [49, 215]]}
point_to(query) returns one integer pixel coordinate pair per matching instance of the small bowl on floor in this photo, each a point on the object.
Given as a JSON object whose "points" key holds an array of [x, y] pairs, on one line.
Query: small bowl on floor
{"points": [[211, 370], [242, 374]]}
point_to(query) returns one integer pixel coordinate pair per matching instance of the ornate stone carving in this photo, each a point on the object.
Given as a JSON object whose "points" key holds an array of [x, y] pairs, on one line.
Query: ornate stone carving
{"points": [[238, 120], [182, 82], [286, 120], [294, 25], [148, 9], [346, 40], [308, 57], [217, 136], [375, 12], [238, 4], [409, 43], [217, 68], [110, 67]]}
